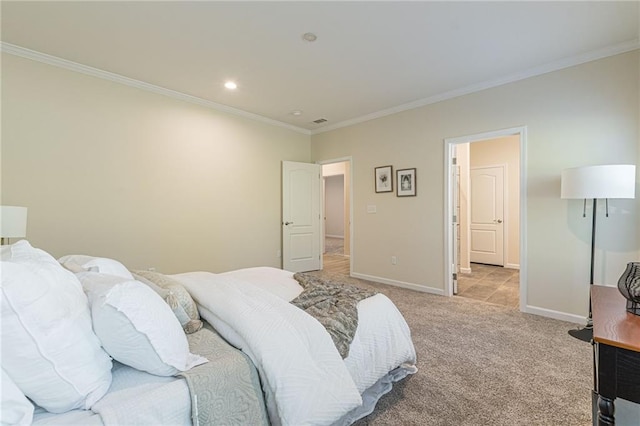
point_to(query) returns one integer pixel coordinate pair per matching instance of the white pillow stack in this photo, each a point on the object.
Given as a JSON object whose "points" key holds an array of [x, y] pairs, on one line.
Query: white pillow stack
{"points": [[137, 327], [49, 349]]}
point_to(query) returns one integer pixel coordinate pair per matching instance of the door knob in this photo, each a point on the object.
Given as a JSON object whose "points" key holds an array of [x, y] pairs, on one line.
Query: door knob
{"points": [[499, 221], [288, 223]]}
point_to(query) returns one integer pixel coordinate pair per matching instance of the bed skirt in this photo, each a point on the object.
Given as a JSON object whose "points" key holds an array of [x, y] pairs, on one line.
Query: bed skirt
{"points": [[371, 396]]}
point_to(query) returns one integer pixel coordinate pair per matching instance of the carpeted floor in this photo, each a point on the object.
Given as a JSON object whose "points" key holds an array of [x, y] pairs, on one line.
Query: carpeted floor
{"points": [[484, 364]]}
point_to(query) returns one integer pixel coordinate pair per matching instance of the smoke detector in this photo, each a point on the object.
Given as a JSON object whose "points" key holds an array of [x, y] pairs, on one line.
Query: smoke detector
{"points": [[310, 37]]}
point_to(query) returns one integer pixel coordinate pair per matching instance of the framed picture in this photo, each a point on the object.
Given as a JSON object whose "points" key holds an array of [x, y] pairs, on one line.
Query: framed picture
{"points": [[406, 186], [384, 179]]}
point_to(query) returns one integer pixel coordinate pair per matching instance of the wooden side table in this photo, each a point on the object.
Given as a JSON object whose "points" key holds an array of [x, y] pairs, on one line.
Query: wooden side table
{"points": [[616, 337]]}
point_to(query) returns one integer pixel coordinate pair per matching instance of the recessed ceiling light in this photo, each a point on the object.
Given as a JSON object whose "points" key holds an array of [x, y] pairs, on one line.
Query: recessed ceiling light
{"points": [[310, 37], [230, 85], [297, 113]]}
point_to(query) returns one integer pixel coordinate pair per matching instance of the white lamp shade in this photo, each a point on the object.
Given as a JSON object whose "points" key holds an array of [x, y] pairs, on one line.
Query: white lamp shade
{"points": [[609, 181], [13, 222]]}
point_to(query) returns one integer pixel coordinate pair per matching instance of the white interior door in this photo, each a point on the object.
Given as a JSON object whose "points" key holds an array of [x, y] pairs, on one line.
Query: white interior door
{"points": [[301, 240], [487, 215]]}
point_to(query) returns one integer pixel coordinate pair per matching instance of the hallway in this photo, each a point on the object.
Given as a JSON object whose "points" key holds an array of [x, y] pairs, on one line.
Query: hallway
{"points": [[334, 260], [493, 284]]}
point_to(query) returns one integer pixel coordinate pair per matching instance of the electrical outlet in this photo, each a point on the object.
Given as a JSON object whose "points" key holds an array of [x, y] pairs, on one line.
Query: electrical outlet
{"points": [[151, 269], [394, 260], [278, 253]]}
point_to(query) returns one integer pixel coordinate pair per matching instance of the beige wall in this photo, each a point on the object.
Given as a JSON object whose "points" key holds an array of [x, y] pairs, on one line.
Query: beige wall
{"points": [[333, 169], [586, 114], [110, 170], [504, 151], [114, 171]]}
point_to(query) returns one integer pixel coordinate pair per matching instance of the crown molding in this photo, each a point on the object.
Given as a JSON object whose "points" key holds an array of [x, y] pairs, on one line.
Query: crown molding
{"points": [[616, 49], [532, 72], [117, 78]]}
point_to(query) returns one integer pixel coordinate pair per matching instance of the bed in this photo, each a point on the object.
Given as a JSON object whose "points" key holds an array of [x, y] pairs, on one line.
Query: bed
{"points": [[258, 359], [381, 351]]}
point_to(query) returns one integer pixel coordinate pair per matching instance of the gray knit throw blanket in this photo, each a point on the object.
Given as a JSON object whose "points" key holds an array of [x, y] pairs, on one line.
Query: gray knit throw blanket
{"points": [[334, 305]]}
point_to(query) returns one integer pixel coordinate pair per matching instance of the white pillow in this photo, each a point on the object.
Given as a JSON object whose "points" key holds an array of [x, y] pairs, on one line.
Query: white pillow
{"points": [[102, 265], [48, 346], [16, 408], [136, 327]]}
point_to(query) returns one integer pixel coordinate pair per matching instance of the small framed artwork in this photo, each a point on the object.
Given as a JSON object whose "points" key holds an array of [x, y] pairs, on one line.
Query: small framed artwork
{"points": [[406, 186], [384, 179]]}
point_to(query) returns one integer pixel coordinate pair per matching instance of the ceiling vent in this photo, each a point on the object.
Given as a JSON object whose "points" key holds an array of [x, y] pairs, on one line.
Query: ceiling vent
{"points": [[320, 120]]}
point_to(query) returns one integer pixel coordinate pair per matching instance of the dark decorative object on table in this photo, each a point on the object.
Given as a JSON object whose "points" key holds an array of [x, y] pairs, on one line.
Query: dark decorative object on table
{"points": [[629, 286]]}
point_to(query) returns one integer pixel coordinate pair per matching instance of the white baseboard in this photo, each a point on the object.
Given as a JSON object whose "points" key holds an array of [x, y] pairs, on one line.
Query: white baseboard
{"points": [[562, 316], [465, 270], [512, 266], [335, 236], [402, 284]]}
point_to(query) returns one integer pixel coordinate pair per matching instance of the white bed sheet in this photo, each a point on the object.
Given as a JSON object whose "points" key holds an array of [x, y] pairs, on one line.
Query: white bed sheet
{"points": [[73, 417], [134, 398]]}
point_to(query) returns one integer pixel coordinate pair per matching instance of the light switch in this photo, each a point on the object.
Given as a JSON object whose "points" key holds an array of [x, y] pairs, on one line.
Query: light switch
{"points": [[371, 208]]}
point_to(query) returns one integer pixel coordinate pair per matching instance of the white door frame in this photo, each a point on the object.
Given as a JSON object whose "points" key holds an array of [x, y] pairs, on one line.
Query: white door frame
{"points": [[449, 245], [349, 160]]}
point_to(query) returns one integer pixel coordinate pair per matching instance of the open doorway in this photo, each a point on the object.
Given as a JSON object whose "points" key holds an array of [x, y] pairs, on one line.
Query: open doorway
{"points": [[485, 210], [334, 212], [337, 217], [488, 242]]}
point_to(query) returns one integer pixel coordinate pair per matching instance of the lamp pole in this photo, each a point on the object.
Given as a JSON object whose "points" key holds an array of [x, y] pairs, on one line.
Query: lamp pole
{"points": [[593, 252], [586, 334]]}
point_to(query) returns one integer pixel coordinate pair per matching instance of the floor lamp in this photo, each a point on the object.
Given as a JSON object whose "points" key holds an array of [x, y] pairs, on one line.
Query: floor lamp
{"points": [[596, 182]]}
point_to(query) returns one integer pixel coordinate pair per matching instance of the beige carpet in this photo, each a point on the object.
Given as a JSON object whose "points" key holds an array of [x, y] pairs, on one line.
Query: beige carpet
{"points": [[484, 364]]}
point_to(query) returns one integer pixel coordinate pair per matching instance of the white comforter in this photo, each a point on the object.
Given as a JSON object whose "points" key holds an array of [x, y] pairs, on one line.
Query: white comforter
{"points": [[304, 379]]}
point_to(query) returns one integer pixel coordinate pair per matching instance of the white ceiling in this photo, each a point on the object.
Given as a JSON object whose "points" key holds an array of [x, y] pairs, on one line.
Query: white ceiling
{"points": [[370, 58]]}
